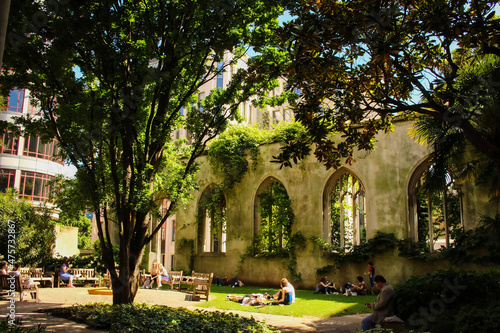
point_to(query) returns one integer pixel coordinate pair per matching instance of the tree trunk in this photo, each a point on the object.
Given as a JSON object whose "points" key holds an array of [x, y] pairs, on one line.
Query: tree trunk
{"points": [[126, 283], [125, 287]]}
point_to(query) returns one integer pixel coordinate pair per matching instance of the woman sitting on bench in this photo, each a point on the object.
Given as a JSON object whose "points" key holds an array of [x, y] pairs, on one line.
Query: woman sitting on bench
{"points": [[25, 280], [65, 276], [3, 267], [162, 276]]}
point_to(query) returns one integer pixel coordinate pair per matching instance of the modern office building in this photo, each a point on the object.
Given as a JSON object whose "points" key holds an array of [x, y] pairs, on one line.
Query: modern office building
{"points": [[27, 164]]}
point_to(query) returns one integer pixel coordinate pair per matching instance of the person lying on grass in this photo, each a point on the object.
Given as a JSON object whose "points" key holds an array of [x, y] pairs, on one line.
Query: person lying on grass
{"points": [[250, 299]]}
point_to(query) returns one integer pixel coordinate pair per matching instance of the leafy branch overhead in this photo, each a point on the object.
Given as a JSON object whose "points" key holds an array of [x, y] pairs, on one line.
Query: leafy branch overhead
{"points": [[360, 63]]}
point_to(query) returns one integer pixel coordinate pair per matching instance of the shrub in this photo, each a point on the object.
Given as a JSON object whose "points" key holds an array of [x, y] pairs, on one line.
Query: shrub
{"points": [[7, 326], [147, 318], [478, 317], [432, 302], [26, 231]]}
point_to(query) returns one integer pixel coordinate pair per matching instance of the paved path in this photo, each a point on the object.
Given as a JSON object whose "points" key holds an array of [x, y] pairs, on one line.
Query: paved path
{"points": [[57, 297]]}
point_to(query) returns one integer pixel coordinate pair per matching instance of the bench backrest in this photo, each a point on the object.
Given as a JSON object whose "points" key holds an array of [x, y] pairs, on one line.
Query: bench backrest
{"points": [[84, 272], [108, 274], [175, 275], [202, 277], [6, 282], [37, 272]]}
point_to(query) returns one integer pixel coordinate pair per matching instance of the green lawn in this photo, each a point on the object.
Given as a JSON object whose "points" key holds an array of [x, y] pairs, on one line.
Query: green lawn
{"points": [[306, 304]]}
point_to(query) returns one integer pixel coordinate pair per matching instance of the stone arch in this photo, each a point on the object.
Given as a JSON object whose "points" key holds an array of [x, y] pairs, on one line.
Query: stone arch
{"points": [[211, 221], [443, 209], [344, 222], [415, 176], [275, 217]]}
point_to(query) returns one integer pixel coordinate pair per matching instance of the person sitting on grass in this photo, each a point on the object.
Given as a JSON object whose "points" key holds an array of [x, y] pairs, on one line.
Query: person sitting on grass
{"points": [[360, 289], [325, 286], [286, 294], [64, 274], [235, 282]]}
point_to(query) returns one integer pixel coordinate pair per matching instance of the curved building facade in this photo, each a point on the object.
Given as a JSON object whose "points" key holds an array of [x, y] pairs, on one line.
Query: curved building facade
{"points": [[26, 163]]}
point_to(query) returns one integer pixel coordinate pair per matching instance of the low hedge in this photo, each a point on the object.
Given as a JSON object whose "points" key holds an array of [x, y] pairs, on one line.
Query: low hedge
{"points": [[155, 318], [450, 301]]}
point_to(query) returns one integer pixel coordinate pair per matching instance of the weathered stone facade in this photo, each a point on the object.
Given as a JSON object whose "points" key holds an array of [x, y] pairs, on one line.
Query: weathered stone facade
{"points": [[385, 174]]}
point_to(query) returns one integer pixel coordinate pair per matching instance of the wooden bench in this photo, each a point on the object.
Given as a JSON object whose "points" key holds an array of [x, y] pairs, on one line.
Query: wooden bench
{"points": [[174, 277], [13, 284], [38, 275], [142, 277], [82, 274], [106, 278], [199, 285], [186, 280]]}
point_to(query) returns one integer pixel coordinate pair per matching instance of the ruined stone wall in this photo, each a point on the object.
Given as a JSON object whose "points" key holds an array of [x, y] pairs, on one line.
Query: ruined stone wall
{"points": [[385, 174]]}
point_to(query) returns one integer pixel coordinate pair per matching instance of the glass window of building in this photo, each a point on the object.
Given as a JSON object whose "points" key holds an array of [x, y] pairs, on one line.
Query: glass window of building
{"points": [[35, 148], [16, 100], [220, 81], [9, 143], [34, 186], [7, 177]]}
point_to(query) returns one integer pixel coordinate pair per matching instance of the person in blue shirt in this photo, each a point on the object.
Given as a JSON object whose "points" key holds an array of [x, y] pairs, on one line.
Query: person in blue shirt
{"points": [[286, 294], [64, 274]]}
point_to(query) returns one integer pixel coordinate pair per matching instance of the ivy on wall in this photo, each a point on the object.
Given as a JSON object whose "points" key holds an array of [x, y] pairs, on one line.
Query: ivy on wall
{"points": [[459, 252], [186, 244], [380, 243], [237, 150], [229, 157]]}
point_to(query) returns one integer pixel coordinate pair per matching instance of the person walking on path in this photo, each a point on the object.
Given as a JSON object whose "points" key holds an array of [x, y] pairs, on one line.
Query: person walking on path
{"points": [[383, 306]]}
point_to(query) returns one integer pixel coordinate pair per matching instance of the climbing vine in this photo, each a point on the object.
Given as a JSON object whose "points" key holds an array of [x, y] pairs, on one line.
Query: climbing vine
{"points": [[380, 243], [459, 252], [229, 156], [275, 238], [188, 244]]}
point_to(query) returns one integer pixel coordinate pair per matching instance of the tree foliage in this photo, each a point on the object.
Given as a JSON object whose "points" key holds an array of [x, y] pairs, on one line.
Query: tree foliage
{"points": [[359, 63], [26, 232], [114, 79], [73, 205]]}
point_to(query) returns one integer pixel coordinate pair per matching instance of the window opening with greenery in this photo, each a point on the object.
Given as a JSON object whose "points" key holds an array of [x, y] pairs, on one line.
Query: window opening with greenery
{"points": [[212, 221], [346, 224], [437, 204], [276, 218]]}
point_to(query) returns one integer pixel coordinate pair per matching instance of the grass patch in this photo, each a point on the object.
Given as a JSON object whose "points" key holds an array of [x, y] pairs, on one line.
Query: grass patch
{"points": [[307, 304]]}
